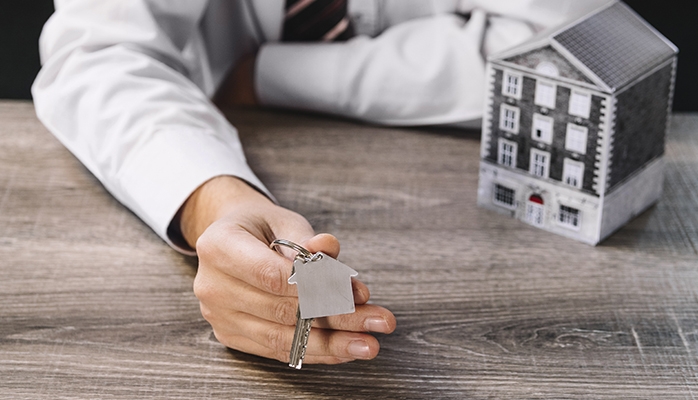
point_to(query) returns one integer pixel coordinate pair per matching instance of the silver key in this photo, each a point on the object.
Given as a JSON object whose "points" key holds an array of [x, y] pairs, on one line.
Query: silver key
{"points": [[303, 325], [300, 341]]}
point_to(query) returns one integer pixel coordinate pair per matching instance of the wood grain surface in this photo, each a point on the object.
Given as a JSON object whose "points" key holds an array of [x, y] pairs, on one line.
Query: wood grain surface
{"points": [[95, 305]]}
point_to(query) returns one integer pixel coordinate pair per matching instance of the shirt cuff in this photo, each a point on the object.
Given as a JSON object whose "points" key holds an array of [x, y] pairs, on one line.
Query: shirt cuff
{"points": [[301, 76], [170, 166]]}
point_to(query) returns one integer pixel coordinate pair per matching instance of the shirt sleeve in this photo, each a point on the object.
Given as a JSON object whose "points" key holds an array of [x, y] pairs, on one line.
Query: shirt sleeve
{"points": [[117, 89], [425, 65], [424, 71]]}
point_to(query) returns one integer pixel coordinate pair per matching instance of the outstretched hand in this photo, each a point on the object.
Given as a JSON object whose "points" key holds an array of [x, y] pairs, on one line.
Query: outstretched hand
{"points": [[242, 284]]}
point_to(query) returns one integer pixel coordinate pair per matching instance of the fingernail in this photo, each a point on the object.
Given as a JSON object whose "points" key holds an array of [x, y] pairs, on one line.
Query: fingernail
{"points": [[359, 349], [376, 325]]}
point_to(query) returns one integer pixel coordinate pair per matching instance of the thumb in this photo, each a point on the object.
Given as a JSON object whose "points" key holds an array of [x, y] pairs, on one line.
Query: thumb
{"points": [[323, 242]]}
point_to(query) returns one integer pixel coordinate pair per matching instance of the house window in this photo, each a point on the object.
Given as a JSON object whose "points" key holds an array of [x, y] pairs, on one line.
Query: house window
{"points": [[540, 163], [569, 217], [545, 94], [507, 153], [542, 128], [511, 85], [576, 138], [573, 173], [504, 196], [535, 210], [509, 119], [580, 104]]}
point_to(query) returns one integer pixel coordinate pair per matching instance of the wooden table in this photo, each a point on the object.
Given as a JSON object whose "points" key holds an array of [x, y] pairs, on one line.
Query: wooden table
{"points": [[95, 305]]}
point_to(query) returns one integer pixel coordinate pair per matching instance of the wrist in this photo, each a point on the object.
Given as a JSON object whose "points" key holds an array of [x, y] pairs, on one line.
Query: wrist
{"points": [[213, 200]]}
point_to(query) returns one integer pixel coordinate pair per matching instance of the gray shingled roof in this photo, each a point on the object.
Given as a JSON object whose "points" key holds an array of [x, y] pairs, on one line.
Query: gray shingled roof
{"points": [[616, 45]]}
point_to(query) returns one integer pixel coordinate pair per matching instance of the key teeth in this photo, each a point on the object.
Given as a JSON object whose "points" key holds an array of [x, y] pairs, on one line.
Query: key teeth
{"points": [[300, 342]]}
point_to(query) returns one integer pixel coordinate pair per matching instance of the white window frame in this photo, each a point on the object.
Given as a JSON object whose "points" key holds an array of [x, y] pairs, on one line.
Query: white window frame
{"points": [[504, 108], [573, 173], [509, 89], [496, 201], [502, 158], [566, 218], [576, 138], [533, 163], [547, 136], [535, 213], [546, 92], [580, 103]]}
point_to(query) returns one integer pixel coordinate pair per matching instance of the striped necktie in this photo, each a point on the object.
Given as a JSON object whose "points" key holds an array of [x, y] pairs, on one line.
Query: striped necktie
{"points": [[316, 20]]}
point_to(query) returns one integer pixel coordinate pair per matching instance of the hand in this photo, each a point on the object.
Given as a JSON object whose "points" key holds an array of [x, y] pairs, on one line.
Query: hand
{"points": [[242, 284], [238, 87]]}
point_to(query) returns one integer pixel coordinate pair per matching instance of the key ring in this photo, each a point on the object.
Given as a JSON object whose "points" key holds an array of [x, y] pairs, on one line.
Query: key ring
{"points": [[303, 253]]}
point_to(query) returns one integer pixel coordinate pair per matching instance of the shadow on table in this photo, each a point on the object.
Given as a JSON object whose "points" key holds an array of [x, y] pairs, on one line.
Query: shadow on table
{"points": [[375, 379]]}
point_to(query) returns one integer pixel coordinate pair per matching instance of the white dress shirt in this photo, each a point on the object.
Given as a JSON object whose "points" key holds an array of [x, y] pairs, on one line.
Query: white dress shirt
{"points": [[125, 85]]}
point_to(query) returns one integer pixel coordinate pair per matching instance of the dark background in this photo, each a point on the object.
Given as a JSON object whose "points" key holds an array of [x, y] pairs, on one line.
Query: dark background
{"points": [[21, 22]]}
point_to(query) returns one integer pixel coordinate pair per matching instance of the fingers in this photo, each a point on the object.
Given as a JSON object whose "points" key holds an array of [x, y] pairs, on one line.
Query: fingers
{"points": [[238, 254], [360, 291], [227, 296], [238, 247], [366, 318], [246, 345], [273, 340]]}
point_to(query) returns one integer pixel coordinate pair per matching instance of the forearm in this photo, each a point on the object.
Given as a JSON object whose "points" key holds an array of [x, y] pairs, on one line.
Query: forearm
{"points": [[425, 71], [426, 68], [119, 94]]}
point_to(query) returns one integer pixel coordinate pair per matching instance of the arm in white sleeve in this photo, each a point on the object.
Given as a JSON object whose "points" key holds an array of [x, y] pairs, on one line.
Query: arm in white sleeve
{"points": [[116, 89], [427, 67], [424, 71]]}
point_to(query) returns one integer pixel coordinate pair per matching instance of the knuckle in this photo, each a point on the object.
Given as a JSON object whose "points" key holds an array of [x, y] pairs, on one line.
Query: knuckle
{"points": [[213, 245], [271, 278], [285, 311], [206, 245], [206, 313], [346, 322], [202, 288], [275, 339], [220, 337]]}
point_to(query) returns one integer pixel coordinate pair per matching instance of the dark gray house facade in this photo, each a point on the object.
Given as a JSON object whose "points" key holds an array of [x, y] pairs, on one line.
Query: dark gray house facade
{"points": [[574, 125]]}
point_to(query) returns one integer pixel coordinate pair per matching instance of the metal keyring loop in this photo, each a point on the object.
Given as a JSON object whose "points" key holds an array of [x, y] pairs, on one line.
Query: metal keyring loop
{"points": [[302, 251]]}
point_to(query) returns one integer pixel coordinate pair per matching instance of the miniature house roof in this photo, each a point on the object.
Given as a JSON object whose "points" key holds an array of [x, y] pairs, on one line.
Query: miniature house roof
{"points": [[613, 46]]}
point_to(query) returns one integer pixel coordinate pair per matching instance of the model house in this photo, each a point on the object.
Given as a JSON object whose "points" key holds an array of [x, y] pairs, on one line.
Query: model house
{"points": [[574, 125]]}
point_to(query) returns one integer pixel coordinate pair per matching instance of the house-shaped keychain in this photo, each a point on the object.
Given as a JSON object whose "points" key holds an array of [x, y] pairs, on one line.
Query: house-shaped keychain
{"points": [[324, 286], [574, 125]]}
